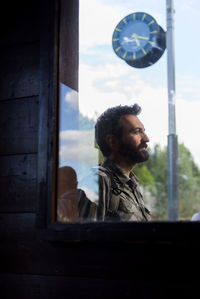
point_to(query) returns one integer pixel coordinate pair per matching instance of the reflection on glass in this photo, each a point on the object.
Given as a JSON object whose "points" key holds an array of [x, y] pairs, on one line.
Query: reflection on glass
{"points": [[77, 155], [87, 191], [106, 81], [67, 194]]}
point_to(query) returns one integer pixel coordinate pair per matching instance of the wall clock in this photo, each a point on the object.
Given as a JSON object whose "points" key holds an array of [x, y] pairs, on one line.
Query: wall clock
{"points": [[139, 40]]}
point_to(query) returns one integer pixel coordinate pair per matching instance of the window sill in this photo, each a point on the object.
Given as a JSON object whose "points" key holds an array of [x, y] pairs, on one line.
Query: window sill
{"points": [[124, 232]]}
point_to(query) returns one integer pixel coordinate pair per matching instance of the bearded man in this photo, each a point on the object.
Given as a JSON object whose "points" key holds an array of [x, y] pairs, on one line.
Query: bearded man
{"points": [[122, 140]]}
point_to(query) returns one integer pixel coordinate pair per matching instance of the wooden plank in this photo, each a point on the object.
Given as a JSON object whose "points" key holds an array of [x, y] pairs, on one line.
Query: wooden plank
{"points": [[130, 232], [69, 41], [17, 227], [19, 126], [19, 76], [22, 251], [18, 183], [33, 257], [47, 116], [96, 261], [51, 287], [21, 24]]}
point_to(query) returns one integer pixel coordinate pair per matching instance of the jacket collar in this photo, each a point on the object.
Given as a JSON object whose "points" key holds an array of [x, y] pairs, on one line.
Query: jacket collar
{"points": [[116, 170]]}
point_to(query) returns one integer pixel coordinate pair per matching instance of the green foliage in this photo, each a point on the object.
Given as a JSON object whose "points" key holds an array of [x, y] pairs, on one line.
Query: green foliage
{"points": [[189, 182], [153, 178], [145, 176], [157, 165]]}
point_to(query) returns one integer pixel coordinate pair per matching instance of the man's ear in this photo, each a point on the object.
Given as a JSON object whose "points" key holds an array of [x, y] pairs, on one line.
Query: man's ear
{"points": [[112, 141]]}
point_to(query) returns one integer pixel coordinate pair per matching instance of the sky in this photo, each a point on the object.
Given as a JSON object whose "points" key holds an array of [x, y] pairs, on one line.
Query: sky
{"points": [[105, 80]]}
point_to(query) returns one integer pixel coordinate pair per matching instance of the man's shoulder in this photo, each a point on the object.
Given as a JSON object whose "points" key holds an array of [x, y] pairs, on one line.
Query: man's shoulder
{"points": [[101, 170], [108, 177], [103, 173]]}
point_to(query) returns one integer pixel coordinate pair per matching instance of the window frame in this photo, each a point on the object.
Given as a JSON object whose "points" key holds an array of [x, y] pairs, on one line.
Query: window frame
{"points": [[49, 229]]}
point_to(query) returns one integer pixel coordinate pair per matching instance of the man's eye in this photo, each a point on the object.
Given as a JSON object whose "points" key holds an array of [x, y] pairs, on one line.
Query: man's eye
{"points": [[138, 130]]}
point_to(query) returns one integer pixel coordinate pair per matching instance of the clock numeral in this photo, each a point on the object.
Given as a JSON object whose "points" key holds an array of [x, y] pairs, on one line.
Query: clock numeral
{"points": [[143, 50], [124, 20], [124, 56], [134, 17], [134, 56], [152, 32], [117, 29], [144, 16], [115, 39], [117, 49], [151, 22]]}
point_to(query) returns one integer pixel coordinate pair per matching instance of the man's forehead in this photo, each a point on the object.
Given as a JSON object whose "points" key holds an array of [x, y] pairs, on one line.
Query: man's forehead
{"points": [[130, 120]]}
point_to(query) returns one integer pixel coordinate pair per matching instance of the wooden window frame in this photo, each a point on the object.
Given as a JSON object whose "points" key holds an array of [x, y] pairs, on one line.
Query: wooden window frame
{"points": [[183, 231]]}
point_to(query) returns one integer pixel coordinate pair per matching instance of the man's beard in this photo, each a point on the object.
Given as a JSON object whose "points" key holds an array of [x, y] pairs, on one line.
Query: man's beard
{"points": [[132, 153]]}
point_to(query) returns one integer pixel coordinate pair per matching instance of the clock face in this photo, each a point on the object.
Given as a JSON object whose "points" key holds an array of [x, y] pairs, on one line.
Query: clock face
{"points": [[135, 36]]}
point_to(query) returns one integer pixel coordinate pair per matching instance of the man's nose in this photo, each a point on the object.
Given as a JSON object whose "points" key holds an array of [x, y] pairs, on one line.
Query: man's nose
{"points": [[145, 137]]}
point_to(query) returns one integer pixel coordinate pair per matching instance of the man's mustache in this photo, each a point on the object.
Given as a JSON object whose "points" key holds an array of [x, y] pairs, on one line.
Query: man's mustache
{"points": [[143, 145]]}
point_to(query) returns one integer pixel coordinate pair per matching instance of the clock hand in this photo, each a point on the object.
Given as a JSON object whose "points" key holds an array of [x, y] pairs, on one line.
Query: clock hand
{"points": [[137, 42], [134, 35], [142, 37]]}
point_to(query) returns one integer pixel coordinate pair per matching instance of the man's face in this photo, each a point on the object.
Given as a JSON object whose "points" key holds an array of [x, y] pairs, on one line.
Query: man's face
{"points": [[133, 141]]}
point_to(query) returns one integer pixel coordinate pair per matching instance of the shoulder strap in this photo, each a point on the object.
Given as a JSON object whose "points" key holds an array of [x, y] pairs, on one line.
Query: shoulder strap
{"points": [[114, 187]]}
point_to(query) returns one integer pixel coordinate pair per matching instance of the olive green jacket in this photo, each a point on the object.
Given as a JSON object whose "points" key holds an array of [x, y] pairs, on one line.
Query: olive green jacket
{"points": [[119, 197]]}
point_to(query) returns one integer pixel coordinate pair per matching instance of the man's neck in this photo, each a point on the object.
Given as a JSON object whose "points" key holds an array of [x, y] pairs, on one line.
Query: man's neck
{"points": [[125, 166]]}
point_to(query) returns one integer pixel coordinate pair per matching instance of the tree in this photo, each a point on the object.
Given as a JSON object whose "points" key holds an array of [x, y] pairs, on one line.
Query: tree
{"points": [[153, 178], [189, 182], [157, 165], [147, 183]]}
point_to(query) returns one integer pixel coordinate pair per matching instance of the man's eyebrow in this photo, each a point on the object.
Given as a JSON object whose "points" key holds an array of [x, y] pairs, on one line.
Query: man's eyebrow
{"points": [[136, 128]]}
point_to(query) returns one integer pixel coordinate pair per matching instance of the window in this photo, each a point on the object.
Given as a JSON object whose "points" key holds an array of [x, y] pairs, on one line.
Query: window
{"points": [[105, 80]]}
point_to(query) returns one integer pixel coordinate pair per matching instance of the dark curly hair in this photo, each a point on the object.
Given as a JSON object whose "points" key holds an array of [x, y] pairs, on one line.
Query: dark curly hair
{"points": [[108, 123]]}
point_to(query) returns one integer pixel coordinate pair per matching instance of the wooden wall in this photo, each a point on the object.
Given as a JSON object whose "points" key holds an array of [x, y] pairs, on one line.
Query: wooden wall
{"points": [[36, 263], [19, 100]]}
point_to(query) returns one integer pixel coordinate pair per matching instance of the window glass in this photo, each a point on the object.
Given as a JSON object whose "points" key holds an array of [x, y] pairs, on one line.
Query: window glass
{"points": [[106, 81]]}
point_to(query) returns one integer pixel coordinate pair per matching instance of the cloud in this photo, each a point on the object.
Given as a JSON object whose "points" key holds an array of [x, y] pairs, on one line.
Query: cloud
{"points": [[101, 89], [97, 27], [187, 125], [188, 86], [189, 6], [94, 96], [105, 80], [71, 98], [117, 84], [78, 146]]}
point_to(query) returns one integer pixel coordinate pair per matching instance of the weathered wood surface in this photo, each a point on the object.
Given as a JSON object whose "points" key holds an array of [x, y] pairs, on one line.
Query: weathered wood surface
{"points": [[47, 116], [24, 250], [68, 51], [19, 76], [16, 227], [21, 24], [89, 269], [98, 262], [18, 183], [51, 287], [19, 126]]}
